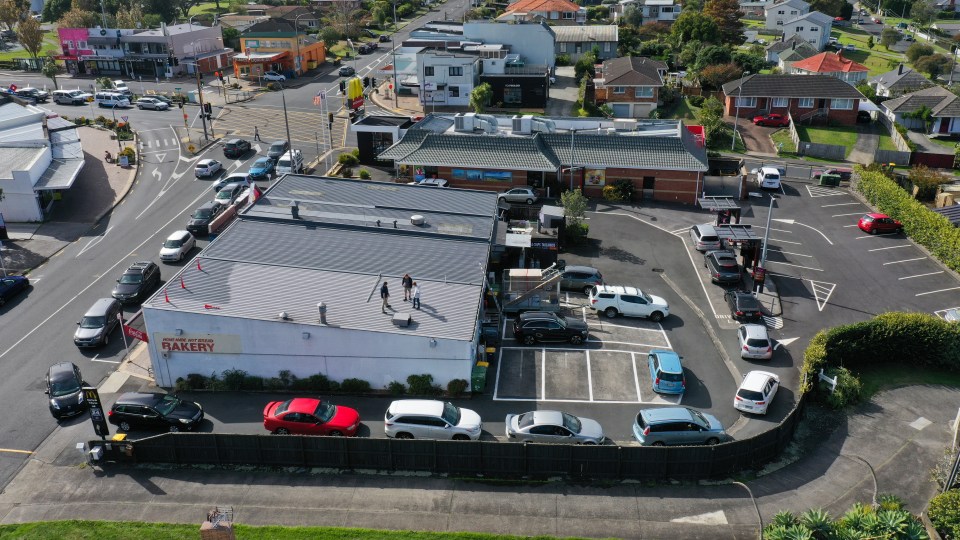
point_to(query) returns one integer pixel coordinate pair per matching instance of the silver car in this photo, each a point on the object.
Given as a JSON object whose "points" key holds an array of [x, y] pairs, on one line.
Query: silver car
{"points": [[430, 419], [755, 343], [152, 103], [518, 195], [553, 427]]}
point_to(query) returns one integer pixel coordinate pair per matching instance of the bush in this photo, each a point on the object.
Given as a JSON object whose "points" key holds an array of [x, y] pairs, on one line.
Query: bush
{"points": [[456, 387], [563, 60], [611, 193], [355, 386], [129, 152], [346, 172], [847, 391], [944, 512], [364, 174], [233, 378], [355, 153], [196, 381], [576, 233], [422, 385], [274, 87], [349, 160], [696, 101], [397, 388]]}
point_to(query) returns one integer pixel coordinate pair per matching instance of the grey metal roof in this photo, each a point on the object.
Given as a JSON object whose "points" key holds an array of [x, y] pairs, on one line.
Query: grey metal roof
{"points": [[627, 151], [261, 291], [408, 143], [820, 19], [815, 86], [11, 110], [17, 159], [60, 174], [591, 33], [952, 213], [799, 4], [907, 79], [788, 43], [801, 52]]}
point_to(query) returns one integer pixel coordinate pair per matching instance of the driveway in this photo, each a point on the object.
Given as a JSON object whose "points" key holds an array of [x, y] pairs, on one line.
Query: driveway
{"points": [[755, 138], [868, 140], [563, 93], [925, 145]]}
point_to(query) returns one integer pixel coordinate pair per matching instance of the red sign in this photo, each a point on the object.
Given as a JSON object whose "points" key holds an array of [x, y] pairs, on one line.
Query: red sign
{"points": [[357, 103], [759, 274], [13, 88], [135, 333]]}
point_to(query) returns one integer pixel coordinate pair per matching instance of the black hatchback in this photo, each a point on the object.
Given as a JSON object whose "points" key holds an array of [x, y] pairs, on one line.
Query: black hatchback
{"points": [[136, 410], [743, 306], [137, 281], [199, 224], [534, 326], [64, 387]]}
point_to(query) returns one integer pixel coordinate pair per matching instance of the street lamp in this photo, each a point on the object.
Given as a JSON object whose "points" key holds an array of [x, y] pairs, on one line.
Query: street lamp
{"points": [[766, 237], [396, 87], [736, 119], [296, 30], [286, 121]]}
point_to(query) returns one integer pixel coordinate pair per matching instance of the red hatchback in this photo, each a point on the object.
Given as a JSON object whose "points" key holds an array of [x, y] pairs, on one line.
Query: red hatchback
{"points": [[310, 416], [879, 223], [776, 120]]}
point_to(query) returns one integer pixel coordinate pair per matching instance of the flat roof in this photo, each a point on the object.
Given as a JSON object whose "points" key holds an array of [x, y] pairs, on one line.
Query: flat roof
{"points": [[17, 159]]}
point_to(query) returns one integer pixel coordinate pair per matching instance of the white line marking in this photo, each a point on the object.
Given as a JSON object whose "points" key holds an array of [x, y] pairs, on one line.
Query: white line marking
{"points": [[935, 292], [790, 253], [921, 275], [844, 215], [891, 247], [868, 236], [794, 265], [669, 346], [772, 240], [678, 232], [854, 225], [104, 361], [612, 402], [822, 287], [636, 379], [543, 373], [838, 204], [589, 378], [903, 261], [792, 222], [93, 242], [627, 327], [780, 230]]}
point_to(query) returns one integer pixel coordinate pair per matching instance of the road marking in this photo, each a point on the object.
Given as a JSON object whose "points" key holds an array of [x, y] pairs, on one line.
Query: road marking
{"points": [[790, 253], [589, 378], [852, 214], [868, 236], [838, 204], [785, 241], [815, 191], [104, 361], [792, 222], [794, 265], [891, 247], [854, 225], [710, 518], [937, 291], [786, 341], [678, 232], [942, 312], [93, 242], [773, 322], [903, 261], [636, 379], [823, 288], [543, 373], [921, 275]]}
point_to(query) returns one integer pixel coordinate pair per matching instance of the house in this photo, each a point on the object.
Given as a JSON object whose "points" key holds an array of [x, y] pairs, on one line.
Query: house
{"points": [[832, 64], [777, 13], [814, 28], [652, 11], [275, 45], [337, 4], [943, 104], [240, 22], [791, 56], [755, 10], [630, 85], [555, 12], [573, 41], [256, 9], [805, 97], [898, 82], [774, 49], [299, 15]]}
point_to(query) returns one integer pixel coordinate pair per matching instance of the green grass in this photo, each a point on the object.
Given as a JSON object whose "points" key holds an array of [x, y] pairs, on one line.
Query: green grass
{"points": [[878, 60], [51, 45], [886, 143], [946, 142], [837, 135], [341, 49], [108, 530], [680, 109], [782, 136], [883, 376]]}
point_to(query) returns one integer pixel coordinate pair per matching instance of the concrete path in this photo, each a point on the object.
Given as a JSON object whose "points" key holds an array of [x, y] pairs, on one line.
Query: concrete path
{"points": [[925, 145], [868, 140]]}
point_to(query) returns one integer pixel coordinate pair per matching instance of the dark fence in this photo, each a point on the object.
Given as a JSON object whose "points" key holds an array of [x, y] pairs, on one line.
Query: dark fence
{"points": [[935, 161], [470, 458]]}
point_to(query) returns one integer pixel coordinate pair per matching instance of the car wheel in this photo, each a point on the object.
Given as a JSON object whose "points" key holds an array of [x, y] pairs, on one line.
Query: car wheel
{"points": [[106, 340], [125, 426], [529, 340], [712, 441], [610, 312], [404, 435], [587, 290], [873, 231], [336, 433], [658, 443], [529, 201], [140, 107], [589, 443], [576, 340], [460, 437], [174, 429], [899, 230], [656, 316], [281, 431]]}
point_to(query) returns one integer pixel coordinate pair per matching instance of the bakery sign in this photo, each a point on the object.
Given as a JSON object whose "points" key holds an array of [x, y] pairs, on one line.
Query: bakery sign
{"points": [[198, 343]]}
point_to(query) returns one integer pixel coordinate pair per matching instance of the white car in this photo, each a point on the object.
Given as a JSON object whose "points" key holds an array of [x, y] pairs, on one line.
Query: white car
{"points": [[553, 427], [430, 419], [756, 392], [274, 76], [952, 315], [120, 86], [755, 343], [768, 178], [177, 246], [152, 103], [518, 195], [613, 300], [233, 178], [206, 168]]}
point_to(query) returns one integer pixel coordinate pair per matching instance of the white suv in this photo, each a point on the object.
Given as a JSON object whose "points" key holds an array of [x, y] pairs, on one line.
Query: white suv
{"points": [[613, 300], [430, 419]]}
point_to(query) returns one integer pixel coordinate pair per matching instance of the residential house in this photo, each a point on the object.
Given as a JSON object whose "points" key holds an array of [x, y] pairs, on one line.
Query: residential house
{"points": [[555, 12], [275, 45], [240, 22], [573, 41], [755, 10], [791, 56], [651, 11], [943, 104], [947, 5], [337, 4], [805, 97], [256, 9], [91, 51], [814, 28], [299, 15], [630, 85], [777, 14], [832, 64], [899, 81], [785, 43]]}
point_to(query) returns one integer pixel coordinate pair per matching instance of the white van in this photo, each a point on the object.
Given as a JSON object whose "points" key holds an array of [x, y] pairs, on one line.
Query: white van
{"points": [[291, 162], [70, 97], [111, 100], [768, 178]]}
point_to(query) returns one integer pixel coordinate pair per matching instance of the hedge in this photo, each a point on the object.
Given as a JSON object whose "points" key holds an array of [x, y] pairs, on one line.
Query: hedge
{"points": [[927, 228], [944, 512]]}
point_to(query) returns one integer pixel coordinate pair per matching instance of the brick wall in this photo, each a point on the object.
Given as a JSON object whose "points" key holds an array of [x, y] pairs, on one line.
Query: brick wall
{"points": [[843, 117], [668, 186], [605, 94]]}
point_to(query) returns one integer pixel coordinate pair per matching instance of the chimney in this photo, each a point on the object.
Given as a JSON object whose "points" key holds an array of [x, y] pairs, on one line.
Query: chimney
{"points": [[294, 210], [900, 69], [322, 308]]}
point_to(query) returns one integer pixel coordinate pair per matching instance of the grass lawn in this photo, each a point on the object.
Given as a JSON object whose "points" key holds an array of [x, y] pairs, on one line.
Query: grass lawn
{"points": [[886, 142], [838, 135], [782, 136], [680, 109], [51, 45], [945, 142], [341, 49], [884, 376], [878, 60]]}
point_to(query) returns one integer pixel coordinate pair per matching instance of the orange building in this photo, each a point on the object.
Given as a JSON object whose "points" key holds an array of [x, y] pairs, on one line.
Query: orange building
{"points": [[276, 45]]}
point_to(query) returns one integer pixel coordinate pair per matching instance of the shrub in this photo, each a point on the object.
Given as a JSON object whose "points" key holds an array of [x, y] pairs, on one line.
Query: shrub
{"points": [[355, 153], [252, 382], [181, 385], [233, 378], [128, 151], [349, 160], [274, 384], [576, 233], [456, 387], [196, 381], [696, 101], [422, 385], [944, 512], [397, 388], [563, 60], [364, 174], [611, 193], [355, 386], [274, 87], [318, 382], [847, 391], [346, 172]]}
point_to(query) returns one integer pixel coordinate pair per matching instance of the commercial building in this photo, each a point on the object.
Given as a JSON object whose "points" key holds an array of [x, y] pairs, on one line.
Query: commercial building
{"points": [[277, 45], [293, 284]]}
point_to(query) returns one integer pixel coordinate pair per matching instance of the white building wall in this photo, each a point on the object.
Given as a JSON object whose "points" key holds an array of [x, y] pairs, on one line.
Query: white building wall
{"points": [[533, 42], [20, 203], [441, 76], [264, 348], [775, 19]]}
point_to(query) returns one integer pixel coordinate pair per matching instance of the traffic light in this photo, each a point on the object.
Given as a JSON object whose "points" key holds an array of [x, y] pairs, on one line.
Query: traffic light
{"points": [[343, 87], [207, 108], [180, 103], [330, 117], [366, 82], [373, 81]]}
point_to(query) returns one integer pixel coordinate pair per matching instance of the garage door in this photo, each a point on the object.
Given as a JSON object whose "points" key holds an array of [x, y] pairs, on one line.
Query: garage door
{"points": [[621, 110]]}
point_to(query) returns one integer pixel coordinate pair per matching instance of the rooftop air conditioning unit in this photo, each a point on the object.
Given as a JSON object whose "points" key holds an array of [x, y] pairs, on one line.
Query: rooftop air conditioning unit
{"points": [[464, 121], [625, 124], [522, 124]]}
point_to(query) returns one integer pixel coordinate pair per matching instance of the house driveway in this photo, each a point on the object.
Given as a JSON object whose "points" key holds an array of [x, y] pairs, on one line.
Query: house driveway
{"points": [[868, 140], [755, 138], [563, 94], [925, 145]]}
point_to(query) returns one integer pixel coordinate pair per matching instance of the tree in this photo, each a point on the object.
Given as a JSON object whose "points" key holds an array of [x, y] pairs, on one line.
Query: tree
{"points": [[329, 36], [184, 6], [166, 9], [78, 18], [633, 16], [688, 56], [231, 37], [10, 12], [715, 76], [574, 205], [923, 12], [710, 117], [346, 17], [728, 18], [30, 35], [868, 91], [925, 180], [712, 55], [480, 97], [916, 50], [749, 61], [889, 37], [870, 43], [54, 9], [381, 13], [50, 70], [833, 8], [934, 64], [586, 64], [692, 25], [129, 17]]}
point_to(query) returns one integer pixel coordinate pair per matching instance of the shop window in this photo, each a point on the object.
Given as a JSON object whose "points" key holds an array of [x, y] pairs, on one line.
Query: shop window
{"points": [[513, 95], [648, 182]]}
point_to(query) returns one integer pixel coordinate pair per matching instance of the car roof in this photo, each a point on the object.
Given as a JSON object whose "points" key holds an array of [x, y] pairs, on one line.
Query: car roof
{"points": [[416, 406], [232, 141], [722, 253], [303, 405], [100, 307], [547, 418], [176, 235], [209, 204], [770, 170], [229, 186], [139, 398], [263, 159], [576, 268], [666, 414], [756, 379], [139, 266], [206, 161], [526, 315], [755, 331], [61, 371], [618, 289], [669, 360], [876, 215], [278, 142]]}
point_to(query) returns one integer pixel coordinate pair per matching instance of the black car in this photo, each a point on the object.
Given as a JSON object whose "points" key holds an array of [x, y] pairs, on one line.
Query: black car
{"points": [[199, 224], [235, 148], [722, 265], [137, 281], [277, 149], [137, 410], [744, 306], [346, 71], [11, 285], [384, 38], [534, 326], [64, 385]]}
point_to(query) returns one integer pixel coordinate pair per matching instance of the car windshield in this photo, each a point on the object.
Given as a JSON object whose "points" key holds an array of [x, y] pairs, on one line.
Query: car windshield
{"points": [[572, 423], [646, 297], [277, 148], [525, 420], [671, 377], [451, 413], [700, 418], [224, 195], [93, 322], [174, 243], [325, 411], [131, 279], [262, 163], [167, 405], [754, 342], [283, 163], [64, 387], [202, 213], [752, 395]]}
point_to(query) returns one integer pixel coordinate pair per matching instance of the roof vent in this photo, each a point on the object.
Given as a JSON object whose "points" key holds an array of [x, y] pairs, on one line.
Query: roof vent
{"points": [[283, 316], [417, 220], [294, 210]]}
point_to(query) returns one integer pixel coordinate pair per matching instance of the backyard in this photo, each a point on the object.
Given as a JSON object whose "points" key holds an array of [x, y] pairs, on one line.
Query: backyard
{"points": [[878, 60]]}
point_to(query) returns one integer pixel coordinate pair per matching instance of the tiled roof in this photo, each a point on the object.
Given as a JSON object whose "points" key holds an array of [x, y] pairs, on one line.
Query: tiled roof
{"points": [[902, 78], [273, 25], [482, 152], [821, 19], [632, 71], [941, 101], [815, 86], [402, 148], [527, 6], [626, 151], [799, 4], [586, 34], [802, 51], [828, 62], [788, 43]]}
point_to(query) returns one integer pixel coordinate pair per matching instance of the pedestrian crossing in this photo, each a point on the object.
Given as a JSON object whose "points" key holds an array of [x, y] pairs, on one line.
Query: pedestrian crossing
{"points": [[156, 144]]}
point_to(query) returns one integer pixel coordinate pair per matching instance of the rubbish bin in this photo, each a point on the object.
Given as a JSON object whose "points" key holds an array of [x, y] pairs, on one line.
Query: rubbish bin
{"points": [[829, 179], [478, 379]]}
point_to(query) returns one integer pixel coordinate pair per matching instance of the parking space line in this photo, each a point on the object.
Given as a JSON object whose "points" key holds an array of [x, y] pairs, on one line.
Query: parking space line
{"points": [[838, 204], [790, 253], [920, 275], [795, 265], [624, 343], [942, 312], [937, 291], [589, 378], [636, 379], [678, 232], [905, 260], [866, 236], [780, 230], [601, 323], [785, 241], [851, 214], [543, 373], [669, 345], [891, 247], [854, 225], [576, 401]]}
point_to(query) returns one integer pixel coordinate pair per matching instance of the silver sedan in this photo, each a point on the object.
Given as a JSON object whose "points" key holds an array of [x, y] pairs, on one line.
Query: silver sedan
{"points": [[152, 103], [553, 427]]}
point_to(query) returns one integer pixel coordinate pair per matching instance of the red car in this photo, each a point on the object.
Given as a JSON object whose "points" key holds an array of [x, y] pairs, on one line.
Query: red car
{"points": [[879, 223], [777, 120], [310, 416]]}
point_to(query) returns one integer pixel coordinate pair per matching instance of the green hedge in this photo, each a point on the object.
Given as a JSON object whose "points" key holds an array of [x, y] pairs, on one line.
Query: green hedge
{"points": [[927, 228], [944, 512]]}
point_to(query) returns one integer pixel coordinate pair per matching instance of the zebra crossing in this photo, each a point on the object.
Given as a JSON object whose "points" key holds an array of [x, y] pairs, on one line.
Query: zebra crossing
{"points": [[162, 143]]}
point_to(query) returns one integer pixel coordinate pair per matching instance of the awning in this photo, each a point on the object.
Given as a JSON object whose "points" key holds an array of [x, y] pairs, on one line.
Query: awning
{"points": [[260, 57], [60, 174]]}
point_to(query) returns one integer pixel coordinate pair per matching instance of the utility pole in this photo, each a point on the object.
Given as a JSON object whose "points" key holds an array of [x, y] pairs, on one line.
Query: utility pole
{"points": [[203, 115]]}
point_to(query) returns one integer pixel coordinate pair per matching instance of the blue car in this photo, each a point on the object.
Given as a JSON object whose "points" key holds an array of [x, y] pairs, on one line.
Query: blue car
{"points": [[262, 168], [666, 373], [10, 286]]}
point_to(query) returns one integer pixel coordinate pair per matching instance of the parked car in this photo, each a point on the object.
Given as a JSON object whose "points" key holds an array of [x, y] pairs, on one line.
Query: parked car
{"points": [[775, 120], [63, 387], [864, 117], [277, 149], [152, 103], [430, 419], [849, 47], [137, 281], [366, 48], [262, 169], [233, 178], [273, 76], [677, 426], [120, 86], [139, 410], [553, 427], [346, 71], [580, 278], [291, 162], [535, 326], [613, 300], [71, 97], [384, 38], [177, 245], [722, 265], [843, 172], [206, 168], [93, 330], [768, 178], [229, 193], [756, 391], [666, 372], [877, 20], [37, 95], [705, 237], [310, 416], [11, 285], [199, 224], [874, 223], [518, 195], [744, 306], [236, 148], [755, 342]]}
